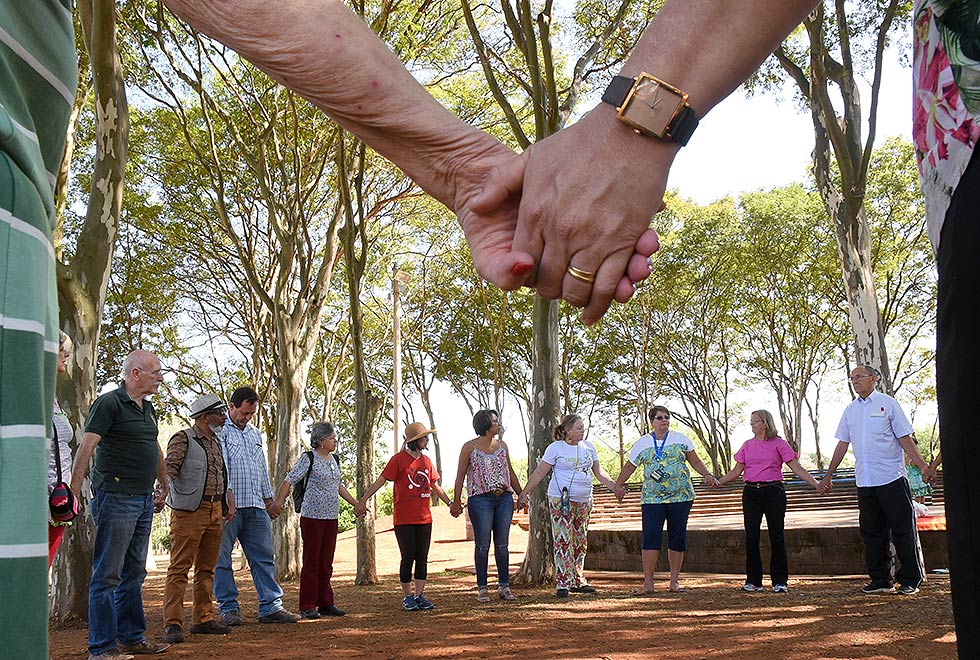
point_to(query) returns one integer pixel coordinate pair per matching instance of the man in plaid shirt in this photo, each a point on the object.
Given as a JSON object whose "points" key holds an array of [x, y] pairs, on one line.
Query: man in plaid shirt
{"points": [[248, 479]]}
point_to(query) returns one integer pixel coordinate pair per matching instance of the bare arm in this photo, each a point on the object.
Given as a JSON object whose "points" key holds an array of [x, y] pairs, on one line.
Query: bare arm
{"points": [[908, 444], [361, 507], [699, 467], [515, 481], [325, 52], [442, 494], [160, 498], [539, 473], [591, 189], [827, 483], [83, 457], [733, 474], [603, 478], [462, 466], [282, 493], [798, 470]]}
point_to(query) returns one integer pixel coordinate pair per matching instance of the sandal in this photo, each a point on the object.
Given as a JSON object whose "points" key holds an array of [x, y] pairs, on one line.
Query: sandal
{"points": [[482, 596], [506, 593]]}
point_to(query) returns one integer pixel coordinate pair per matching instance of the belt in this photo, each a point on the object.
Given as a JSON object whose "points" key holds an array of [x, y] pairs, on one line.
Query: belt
{"points": [[498, 491], [211, 498], [763, 484]]}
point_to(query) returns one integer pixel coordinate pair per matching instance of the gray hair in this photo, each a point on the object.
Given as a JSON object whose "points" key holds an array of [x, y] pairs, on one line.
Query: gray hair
{"points": [[871, 370], [320, 432]]}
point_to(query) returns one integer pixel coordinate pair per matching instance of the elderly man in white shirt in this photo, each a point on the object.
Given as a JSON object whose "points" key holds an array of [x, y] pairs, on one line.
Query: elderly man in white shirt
{"points": [[878, 430]]}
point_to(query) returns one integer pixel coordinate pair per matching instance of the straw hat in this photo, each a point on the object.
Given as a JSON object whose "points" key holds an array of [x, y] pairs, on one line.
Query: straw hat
{"points": [[416, 430]]}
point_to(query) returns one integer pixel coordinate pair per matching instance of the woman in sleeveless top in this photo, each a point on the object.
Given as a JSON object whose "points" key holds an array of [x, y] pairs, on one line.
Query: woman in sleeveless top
{"points": [[491, 484]]}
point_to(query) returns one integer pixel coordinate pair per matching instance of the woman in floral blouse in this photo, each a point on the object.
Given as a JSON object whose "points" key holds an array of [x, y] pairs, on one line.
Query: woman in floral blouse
{"points": [[318, 519]]}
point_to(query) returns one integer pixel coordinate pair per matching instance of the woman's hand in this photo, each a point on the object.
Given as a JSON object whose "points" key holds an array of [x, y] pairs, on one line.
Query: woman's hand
{"points": [[522, 501], [455, 509]]}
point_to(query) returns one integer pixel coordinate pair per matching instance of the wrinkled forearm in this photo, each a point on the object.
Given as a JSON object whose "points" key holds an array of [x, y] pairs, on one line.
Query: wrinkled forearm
{"points": [[326, 53]]}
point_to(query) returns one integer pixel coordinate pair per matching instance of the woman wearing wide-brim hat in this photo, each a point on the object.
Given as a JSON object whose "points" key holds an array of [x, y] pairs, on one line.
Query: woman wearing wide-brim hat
{"points": [[414, 478]]}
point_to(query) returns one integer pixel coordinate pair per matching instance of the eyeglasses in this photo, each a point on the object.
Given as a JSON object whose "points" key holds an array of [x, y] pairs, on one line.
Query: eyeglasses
{"points": [[662, 418], [755, 421], [854, 378]]}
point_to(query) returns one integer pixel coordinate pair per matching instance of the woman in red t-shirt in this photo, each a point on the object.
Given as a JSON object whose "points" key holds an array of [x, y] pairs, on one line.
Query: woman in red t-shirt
{"points": [[414, 479]]}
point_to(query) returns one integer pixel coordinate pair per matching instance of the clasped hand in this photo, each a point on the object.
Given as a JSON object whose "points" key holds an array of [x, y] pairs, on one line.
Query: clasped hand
{"points": [[574, 207]]}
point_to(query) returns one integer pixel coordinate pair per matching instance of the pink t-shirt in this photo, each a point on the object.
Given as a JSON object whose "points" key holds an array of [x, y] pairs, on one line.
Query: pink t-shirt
{"points": [[763, 459]]}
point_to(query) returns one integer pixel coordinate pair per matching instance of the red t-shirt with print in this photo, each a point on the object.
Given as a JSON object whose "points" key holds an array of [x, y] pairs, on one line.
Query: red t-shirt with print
{"points": [[413, 478]]}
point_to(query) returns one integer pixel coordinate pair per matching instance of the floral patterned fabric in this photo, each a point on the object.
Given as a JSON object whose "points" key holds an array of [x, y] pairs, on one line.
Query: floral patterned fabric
{"points": [[571, 534], [666, 479], [946, 107]]}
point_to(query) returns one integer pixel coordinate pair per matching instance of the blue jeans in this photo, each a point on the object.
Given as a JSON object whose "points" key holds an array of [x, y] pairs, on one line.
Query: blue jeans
{"points": [[253, 529], [492, 513], [115, 598]]}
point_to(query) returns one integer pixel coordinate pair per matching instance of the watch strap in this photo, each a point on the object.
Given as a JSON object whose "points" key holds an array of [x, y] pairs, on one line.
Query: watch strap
{"points": [[679, 131]]}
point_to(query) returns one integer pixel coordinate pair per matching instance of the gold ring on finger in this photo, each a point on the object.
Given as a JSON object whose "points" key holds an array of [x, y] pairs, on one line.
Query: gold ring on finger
{"points": [[581, 275]]}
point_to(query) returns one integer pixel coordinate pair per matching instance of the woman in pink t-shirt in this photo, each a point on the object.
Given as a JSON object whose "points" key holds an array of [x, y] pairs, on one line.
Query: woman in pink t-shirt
{"points": [[761, 458]]}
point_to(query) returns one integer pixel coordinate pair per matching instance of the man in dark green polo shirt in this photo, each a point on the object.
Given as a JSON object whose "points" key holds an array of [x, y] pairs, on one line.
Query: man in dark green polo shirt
{"points": [[122, 432]]}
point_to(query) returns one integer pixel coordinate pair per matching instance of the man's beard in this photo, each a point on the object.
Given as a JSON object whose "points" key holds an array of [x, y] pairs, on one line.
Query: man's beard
{"points": [[216, 428]]}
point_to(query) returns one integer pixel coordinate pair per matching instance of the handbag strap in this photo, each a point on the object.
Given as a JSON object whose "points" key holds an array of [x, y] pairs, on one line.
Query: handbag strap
{"points": [[57, 450]]}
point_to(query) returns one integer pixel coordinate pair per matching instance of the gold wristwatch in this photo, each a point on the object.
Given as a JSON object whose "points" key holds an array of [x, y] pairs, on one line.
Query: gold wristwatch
{"points": [[652, 107]]}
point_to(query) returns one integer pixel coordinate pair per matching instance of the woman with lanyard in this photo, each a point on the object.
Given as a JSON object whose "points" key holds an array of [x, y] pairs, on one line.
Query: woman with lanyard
{"points": [[491, 483], [667, 494], [762, 457], [569, 500]]}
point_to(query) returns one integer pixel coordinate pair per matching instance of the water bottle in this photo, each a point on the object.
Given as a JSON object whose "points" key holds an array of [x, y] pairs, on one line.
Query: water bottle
{"points": [[566, 503]]}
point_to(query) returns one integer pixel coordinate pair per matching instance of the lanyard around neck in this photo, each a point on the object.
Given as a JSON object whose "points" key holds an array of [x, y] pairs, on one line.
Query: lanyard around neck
{"points": [[659, 449]]}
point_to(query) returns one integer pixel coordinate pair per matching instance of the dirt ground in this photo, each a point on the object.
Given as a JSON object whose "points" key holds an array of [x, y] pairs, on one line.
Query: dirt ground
{"points": [[821, 618]]}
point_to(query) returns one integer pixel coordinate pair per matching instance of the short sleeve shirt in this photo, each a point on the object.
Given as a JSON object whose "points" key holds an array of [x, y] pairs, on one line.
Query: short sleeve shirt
{"points": [[412, 482], [763, 459], [666, 479], [127, 456], [873, 426], [322, 498], [572, 469]]}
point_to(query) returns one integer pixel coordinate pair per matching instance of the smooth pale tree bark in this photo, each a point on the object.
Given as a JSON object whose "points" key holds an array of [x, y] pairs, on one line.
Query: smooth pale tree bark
{"points": [[82, 283], [838, 141], [537, 81]]}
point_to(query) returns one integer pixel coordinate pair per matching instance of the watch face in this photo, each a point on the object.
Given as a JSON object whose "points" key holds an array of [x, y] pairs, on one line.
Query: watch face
{"points": [[651, 106]]}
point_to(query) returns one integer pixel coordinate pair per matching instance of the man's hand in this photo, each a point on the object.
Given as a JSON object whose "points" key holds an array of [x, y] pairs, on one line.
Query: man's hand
{"points": [[589, 194], [231, 512], [826, 484], [159, 497], [273, 508]]}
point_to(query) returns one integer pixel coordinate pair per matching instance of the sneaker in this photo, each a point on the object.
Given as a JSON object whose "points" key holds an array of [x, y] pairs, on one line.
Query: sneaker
{"points": [[231, 618], [748, 586], [210, 628], [409, 604], [114, 654], [173, 634], [582, 589], [780, 589], [309, 614], [423, 602], [561, 593], [878, 588], [907, 590], [331, 610], [143, 648], [279, 616]]}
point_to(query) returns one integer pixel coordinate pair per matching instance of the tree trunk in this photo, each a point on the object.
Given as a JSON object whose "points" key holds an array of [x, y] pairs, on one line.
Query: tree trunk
{"points": [[82, 284], [286, 532], [539, 564]]}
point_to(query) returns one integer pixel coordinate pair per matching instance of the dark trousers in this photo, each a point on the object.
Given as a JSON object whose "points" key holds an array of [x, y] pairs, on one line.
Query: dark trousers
{"points": [[319, 545], [768, 501], [958, 386], [884, 509], [413, 543]]}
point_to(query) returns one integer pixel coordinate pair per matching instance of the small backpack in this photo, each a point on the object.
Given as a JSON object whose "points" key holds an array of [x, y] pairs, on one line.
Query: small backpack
{"points": [[299, 488]]}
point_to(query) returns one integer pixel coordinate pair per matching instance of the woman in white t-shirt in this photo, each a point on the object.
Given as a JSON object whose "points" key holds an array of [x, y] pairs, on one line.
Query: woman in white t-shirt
{"points": [[572, 461]]}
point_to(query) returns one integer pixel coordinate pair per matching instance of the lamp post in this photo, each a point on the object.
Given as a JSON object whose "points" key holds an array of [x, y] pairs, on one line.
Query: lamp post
{"points": [[398, 278]]}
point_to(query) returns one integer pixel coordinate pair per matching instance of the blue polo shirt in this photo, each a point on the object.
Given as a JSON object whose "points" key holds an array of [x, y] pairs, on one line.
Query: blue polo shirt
{"points": [[126, 458], [873, 426]]}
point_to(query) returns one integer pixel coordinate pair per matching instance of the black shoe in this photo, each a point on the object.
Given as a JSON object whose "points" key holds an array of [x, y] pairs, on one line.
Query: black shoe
{"points": [[232, 618], [561, 593], [210, 628], [331, 610], [279, 616], [907, 590], [173, 634], [584, 589], [876, 587], [309, 614]]}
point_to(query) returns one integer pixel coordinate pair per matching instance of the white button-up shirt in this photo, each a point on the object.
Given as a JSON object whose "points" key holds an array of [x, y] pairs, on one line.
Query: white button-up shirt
{"points": [[873, 426], [248, 475]]}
